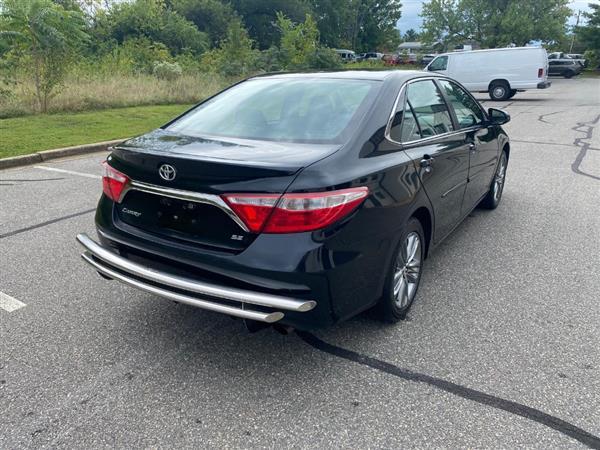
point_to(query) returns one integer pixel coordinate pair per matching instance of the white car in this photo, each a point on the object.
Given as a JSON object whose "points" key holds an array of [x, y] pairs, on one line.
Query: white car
{"points": [[346, 55], [372, 56], [500, 72]]}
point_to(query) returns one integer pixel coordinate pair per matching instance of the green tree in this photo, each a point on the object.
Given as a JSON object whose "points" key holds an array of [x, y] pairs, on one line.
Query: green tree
{"points": [[235, 55], [44, 39], [299, 42], [373, 24], [411, 36], [589, 34], [152, 20], [335, 19], [210, 16], [494, 23], [260, 16], [362, 25]]}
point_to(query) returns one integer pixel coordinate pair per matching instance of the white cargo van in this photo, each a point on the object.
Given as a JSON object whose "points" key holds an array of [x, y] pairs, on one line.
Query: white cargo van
{"points": [[501, 72]]}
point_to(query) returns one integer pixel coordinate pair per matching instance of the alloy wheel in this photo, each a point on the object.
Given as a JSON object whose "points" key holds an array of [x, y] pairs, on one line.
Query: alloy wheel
{"points": [[407, 270], [499, 178]]}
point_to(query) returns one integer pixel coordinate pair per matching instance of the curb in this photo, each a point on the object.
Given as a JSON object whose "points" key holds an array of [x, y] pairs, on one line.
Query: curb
{"points": [[46, 155]]}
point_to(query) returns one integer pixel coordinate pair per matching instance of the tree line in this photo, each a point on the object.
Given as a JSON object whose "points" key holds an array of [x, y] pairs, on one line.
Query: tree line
{"points": [[500, 23], [41, 41]]}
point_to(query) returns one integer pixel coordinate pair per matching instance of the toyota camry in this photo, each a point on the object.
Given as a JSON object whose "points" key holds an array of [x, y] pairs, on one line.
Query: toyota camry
{"points": [[299, 199]]}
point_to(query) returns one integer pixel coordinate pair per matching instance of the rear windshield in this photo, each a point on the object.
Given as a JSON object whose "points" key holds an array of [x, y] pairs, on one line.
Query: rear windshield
{"points": [[314, 110]]}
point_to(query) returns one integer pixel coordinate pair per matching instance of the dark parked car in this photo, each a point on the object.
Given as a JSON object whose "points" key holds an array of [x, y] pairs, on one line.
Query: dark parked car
{"points": [[567, 68], [300, 199], [426, 59]]}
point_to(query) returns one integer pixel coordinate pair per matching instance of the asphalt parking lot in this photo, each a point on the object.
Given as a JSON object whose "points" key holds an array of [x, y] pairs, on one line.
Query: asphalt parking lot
{"points": [[501, 349]]}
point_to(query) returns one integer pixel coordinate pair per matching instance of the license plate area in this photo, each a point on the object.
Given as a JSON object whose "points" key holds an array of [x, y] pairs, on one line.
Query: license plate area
{"points": [[182, 220]]}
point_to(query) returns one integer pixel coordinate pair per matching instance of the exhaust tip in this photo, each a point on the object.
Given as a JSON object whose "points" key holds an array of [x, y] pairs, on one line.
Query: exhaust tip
{"points": [[273, 317], [307, 306]]}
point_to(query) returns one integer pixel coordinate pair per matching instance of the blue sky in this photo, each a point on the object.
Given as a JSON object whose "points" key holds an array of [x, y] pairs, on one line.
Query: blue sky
{"points": [[411, 9]]}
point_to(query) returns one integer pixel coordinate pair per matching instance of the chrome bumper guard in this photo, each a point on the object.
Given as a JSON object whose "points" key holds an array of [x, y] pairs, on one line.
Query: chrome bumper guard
{"points": [[105, 261]]}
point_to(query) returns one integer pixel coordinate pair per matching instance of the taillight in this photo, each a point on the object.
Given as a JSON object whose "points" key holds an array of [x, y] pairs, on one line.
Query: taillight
{"points": [[540, 73], [253, 209], [113, 182], [293, 213]]}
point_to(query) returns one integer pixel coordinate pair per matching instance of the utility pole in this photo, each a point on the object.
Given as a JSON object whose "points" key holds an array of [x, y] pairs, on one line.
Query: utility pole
{"points": [[573, 32]]}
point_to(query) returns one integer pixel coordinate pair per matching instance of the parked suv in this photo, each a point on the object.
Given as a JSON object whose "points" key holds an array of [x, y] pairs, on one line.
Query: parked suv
{"points": [[567, 67], [575, 56], [372, 56]]}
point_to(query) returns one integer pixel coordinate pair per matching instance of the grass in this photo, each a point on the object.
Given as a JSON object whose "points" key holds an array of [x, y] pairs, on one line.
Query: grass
{"points": [[29, 134], [93, 92], [591, 73]]}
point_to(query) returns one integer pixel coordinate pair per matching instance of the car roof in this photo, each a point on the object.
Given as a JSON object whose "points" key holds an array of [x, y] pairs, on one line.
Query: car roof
{"points": [[378, 75], [493, 50]]}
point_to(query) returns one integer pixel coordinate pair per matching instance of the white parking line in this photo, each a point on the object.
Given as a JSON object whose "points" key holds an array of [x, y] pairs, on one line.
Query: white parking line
{"points": [[80, 174], [7, 303]]}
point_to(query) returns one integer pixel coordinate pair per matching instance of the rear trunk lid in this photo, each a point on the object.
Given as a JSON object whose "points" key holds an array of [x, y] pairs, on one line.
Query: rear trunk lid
{"points": [[206, 166]]}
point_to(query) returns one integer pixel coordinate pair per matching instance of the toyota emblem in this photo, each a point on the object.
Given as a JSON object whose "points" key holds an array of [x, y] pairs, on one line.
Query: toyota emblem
{"points": [[167, 172]]}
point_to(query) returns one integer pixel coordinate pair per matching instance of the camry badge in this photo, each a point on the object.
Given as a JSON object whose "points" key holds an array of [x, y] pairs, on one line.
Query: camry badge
{"points": [[167, 172]]}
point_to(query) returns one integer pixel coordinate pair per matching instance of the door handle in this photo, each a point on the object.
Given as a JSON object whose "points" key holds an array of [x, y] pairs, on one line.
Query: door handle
{"points": [[426, 163]]}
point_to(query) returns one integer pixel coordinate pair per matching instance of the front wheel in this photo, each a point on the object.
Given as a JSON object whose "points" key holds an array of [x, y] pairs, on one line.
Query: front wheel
{"points": [[569, 74], [492, 199], [499, 91], [404, 274]]}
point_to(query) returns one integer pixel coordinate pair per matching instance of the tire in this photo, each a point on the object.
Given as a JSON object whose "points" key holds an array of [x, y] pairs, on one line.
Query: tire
{"points": [[499, 91], [568, 74], [512, 93], [403, 279], [494, 195]]}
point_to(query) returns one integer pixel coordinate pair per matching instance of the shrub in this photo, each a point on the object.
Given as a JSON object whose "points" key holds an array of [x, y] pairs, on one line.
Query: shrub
{"points": [[592, 58], [167, 71], [151, 20], [367, 65], [299, 42], [45, 39], [269, 60], [325, 58], [235, 55], [138, 55]]}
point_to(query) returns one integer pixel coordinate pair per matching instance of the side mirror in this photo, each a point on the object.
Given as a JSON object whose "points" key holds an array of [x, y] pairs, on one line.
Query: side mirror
{"points": [[498, 117]]}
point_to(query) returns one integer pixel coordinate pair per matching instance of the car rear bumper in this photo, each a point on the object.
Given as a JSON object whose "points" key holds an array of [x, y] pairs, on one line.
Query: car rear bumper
{"points": [[246, 304], [544, 84], [341, 271]]}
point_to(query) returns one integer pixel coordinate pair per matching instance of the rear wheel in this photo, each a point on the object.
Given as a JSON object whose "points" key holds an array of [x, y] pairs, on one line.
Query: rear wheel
{"points": [[404, 274], [494, 195], [499, 90]]}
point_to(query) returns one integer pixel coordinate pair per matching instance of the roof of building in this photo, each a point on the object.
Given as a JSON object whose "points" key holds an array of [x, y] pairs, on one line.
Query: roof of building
{"points": [[411, 45]]}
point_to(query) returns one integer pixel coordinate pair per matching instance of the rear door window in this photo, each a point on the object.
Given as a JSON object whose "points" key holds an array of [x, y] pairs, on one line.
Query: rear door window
{"points": [[429, 107], [404, 126]]}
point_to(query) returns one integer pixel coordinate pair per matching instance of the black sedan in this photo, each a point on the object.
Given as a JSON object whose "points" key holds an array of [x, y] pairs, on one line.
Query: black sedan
{"points": [[299, 199]]}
